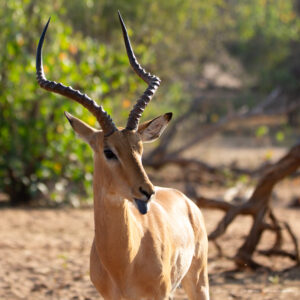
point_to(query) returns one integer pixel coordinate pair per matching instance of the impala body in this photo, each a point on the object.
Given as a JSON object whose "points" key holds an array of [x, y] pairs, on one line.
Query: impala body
{"points": [[148, 239]]}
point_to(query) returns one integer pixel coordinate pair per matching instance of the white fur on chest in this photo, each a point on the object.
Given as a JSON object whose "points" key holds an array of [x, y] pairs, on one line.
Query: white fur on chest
{"points": [[182, 262]]}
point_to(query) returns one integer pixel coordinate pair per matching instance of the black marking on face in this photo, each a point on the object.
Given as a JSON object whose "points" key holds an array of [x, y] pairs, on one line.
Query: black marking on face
{"points": [[109, 154]]}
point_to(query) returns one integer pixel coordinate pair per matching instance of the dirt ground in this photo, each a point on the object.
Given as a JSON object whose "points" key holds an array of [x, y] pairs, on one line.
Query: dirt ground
{"points": [[44, 253]]}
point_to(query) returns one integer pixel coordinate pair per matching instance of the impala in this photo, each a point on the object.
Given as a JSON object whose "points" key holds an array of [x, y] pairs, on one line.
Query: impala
{"points": [[147, 239]]}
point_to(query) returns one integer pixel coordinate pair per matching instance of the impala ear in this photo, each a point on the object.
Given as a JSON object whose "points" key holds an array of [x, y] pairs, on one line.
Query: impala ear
{"points": [[84, 131], [152, 130]]}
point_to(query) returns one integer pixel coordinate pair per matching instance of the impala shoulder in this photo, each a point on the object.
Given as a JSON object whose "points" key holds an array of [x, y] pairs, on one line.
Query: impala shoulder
{"points": [[176, 195], [168, 193], [172, 198]]}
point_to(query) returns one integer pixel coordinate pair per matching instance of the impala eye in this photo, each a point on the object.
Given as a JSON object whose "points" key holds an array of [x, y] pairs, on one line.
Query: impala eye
{"points": [[109, 154]]}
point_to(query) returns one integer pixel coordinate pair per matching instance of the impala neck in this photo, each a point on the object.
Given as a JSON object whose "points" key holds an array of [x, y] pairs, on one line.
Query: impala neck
{"points": [[116, 230]]}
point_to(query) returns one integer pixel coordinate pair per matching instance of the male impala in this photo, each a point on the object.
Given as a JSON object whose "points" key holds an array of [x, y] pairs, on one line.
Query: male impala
{"points": [[148, 239]]}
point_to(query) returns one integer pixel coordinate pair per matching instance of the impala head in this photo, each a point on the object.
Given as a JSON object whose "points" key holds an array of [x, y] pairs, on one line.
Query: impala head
{"points": [[117, 152]]}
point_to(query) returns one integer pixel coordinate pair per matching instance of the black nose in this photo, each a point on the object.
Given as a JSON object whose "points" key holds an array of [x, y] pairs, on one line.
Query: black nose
{"points": [[148, 195]]}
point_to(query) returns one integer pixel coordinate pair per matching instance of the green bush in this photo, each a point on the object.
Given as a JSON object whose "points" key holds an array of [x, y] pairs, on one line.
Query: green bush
{"points": [[39, 153], [37, 145]]}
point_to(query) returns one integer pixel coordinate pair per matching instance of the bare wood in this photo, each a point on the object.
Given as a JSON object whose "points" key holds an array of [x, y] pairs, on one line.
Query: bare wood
{"points": [[294, 240], [182, 163], [258, 114], [278, 252], [159, 153], [205, 202], [247, 249], [278, 230], [259, 207], [215, 173], [276, 249]]}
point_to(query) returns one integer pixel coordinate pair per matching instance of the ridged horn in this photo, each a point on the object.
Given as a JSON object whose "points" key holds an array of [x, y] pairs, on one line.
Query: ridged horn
{"points": [[102, 116], [152, 80]]}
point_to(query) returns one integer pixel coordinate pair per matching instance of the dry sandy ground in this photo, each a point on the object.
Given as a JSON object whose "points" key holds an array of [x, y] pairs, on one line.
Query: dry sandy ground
{"points": [[44, 254]]}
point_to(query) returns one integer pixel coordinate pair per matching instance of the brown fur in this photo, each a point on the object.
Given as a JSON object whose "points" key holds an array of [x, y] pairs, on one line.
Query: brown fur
{"points": [[137, 256]]}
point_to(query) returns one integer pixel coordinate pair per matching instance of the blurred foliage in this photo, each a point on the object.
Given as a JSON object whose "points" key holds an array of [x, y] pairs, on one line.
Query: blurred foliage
{"points": [[39, 153], [265, 37], [262, 131]]}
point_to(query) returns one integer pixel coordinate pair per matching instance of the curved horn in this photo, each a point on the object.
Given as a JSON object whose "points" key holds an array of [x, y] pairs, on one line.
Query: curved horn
{"points": [[152, 80], [103, 118]]}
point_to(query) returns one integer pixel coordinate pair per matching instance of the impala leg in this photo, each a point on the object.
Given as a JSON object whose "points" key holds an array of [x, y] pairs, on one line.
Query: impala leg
{"points": [[100, 277], [195, 283]]}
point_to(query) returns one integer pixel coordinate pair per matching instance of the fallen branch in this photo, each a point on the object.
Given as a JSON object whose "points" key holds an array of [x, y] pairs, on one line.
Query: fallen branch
{"points": [[259, 207], [217, 173]]}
